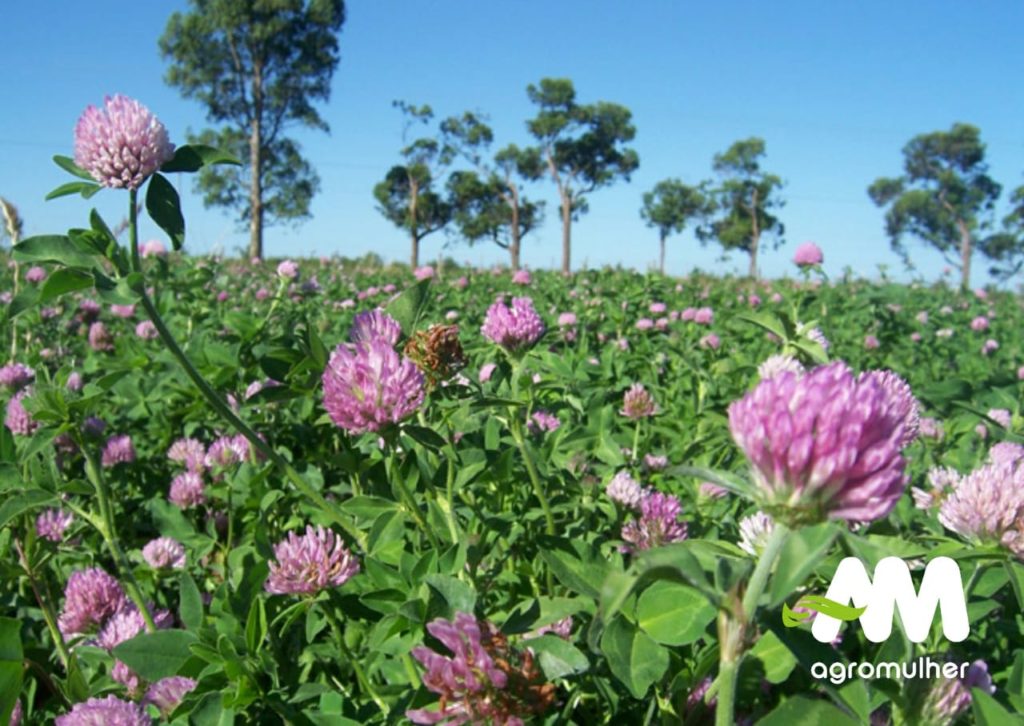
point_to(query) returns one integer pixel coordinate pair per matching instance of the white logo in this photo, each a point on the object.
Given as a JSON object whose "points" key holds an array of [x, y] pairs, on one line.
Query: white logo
{"points": [[941, 587]]}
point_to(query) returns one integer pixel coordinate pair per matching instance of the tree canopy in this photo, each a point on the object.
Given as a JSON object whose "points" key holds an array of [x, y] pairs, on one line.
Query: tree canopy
{"points": [[743, 202], [669, 207], [258, 66], [582, 147], [945, 198]]}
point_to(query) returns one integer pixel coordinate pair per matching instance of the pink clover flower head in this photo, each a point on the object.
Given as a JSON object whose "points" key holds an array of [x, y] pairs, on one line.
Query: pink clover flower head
{"points": [[187, 490], [122, 144], [90, 597], [754, 533], [288, 270], [368, 386], [128, 622], [625, 490], [1005, 452], [375, 324], [826, 444], [118, 450], [122, 311], [658, 523], [987, 506], [425, 272], [654, 462], [147, 330], [306, 564], [514, 328], [779, 363], [189, 452], [711, 341], [109, 711], [808, 255], [871, 342], [15, 376], [543, 421], [486, 371], [638, 403], [167, 693], [904, 404], [979, 323], [990, 346], [52, 523], [100, 339], [35, 275], [153, 248], [566, 319], [18, 420], [469, 680], [704, 316], [74, 382], [164, 552], [949, 698], [644, 324], [522, 277]]}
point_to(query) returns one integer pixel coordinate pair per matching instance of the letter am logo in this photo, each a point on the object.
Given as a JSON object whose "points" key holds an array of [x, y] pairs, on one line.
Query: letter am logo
{"points": [[853, 595]]}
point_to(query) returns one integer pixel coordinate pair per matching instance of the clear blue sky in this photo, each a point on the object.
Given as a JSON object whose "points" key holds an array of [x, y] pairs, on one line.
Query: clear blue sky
{"points": [[835, 89]]}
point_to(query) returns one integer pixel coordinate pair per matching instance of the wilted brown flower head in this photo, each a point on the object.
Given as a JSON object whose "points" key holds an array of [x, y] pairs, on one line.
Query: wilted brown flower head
{"points": [[437, 352]]}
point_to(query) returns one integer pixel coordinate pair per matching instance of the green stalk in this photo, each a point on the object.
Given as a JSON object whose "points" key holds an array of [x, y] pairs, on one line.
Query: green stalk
{"points": [[364, 682], [531, 469], [411, 505], [733, 630], [46, 608], [221, 407], [636, 439], [109, 534]]}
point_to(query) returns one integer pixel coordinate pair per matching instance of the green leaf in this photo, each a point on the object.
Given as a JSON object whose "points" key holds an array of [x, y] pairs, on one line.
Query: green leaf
{"points": [[765, 321], [674, 614], [425, 437], [1016, 572], [86, 189], [156, 655], [256, 625], [459, 595], [574, 563], [24, 300], [407, 307], [804, 711], [190, 602], [802, 552], [778, 660], [558, 658], [633, 657], [64, 280], [988, 711], [55, 248], [68, 164], [193, 157], [164, 207], [17, 504], [11, 668]]}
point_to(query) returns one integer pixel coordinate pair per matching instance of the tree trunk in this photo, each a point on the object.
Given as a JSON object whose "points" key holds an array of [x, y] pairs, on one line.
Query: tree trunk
{"points": [[965, 256], [256, 166], [755, 237], [661, 258], [513, 247], [566, 234], [414, 193]]}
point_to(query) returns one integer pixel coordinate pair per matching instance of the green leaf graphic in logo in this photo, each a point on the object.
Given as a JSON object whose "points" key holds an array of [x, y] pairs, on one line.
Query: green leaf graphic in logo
{"points": [[819, 604]]}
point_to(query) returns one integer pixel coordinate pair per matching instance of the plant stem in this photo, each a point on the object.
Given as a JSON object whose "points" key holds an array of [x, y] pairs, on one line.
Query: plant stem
{"points": [[755, 588], [109, 534], [364, 682], [51, 621], [636, 440], [225, 411], [411, 505], [732, 627], [531, 469]]}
